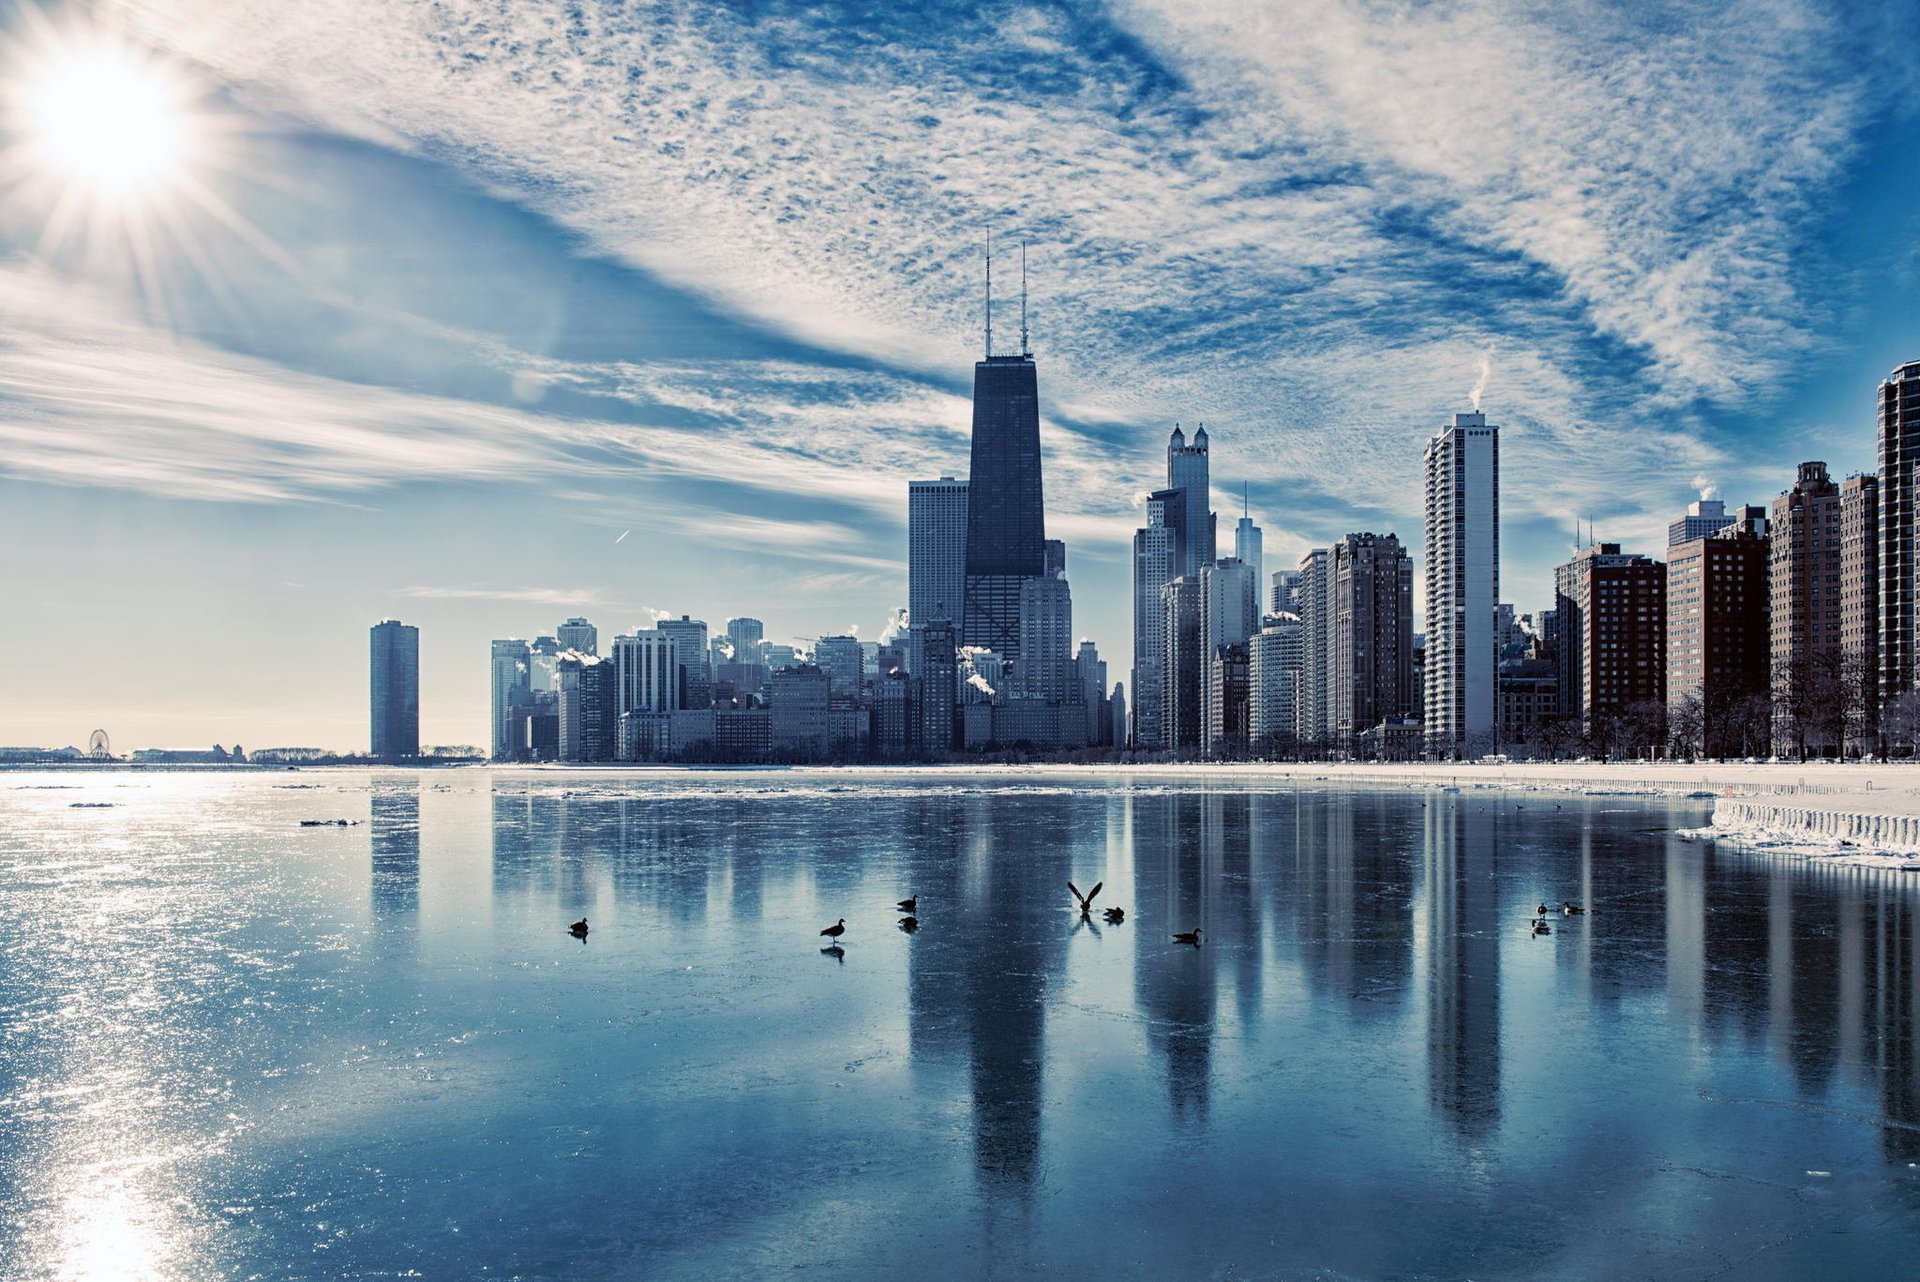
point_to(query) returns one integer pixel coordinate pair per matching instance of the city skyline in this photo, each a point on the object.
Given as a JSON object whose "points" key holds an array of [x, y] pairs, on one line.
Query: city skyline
{"points": [[430, 388]]}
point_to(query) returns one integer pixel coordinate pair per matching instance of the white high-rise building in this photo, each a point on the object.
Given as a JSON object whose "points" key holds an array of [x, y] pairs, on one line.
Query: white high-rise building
{"points": [[936, 555], [1273, 684], [1463, 587], [1704, 516], [649, 672]]}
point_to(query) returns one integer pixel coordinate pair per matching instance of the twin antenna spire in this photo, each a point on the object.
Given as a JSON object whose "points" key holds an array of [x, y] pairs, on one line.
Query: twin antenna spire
{"points": [[1025, 350]]}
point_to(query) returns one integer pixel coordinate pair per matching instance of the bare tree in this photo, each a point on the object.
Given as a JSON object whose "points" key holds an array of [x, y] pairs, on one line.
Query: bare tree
{"points": [[1900, 721], [1686, 721], [1645, 726], [1815, 701], [1556, 735]]}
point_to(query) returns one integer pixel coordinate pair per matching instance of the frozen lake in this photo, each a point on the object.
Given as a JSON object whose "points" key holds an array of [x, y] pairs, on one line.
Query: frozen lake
{"points": [[234, 1047]]}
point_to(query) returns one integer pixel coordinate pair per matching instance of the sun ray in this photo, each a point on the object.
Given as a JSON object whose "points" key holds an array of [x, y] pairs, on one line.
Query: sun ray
{"points": [[111, 153]]}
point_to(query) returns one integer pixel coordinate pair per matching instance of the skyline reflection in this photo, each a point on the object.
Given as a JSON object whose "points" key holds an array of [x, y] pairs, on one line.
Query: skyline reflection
{"points": [[1363, 892]]}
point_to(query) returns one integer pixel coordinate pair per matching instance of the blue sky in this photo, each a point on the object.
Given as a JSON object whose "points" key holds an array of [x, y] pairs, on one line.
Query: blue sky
{"points": [[501, 280]]}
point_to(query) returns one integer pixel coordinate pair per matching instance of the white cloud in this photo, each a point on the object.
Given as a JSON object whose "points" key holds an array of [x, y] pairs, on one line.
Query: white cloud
{"points": [[1312, 240]]}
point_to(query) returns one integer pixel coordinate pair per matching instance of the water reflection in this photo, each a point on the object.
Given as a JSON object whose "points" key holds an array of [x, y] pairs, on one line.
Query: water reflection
{"points": [[1463, 932], [1177, 881], [394, 835], [1387, 921]]}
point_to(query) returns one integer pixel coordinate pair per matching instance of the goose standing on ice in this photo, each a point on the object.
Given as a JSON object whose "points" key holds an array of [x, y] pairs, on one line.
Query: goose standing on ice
{"points": [[836, 930]]}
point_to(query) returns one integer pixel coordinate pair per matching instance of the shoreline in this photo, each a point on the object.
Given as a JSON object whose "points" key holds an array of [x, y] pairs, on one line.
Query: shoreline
{"points": [[1868, 813]]}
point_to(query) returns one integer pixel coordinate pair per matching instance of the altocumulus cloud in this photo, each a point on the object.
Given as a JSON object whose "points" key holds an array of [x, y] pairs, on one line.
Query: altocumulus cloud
{"points": [[1307, 220]]}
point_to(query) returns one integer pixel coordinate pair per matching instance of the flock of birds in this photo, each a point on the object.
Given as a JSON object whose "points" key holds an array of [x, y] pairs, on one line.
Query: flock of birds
{"points": [[910, 922], [1538, 926]]}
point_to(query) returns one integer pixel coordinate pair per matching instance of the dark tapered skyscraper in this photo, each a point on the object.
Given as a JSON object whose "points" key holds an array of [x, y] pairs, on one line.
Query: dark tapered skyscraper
{"points": [[395, 681], [1006, 523]]}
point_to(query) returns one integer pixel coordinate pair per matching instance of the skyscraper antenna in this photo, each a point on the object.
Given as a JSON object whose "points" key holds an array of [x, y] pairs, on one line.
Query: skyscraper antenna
{"points": [[1024, 349], [1244, 509], [989, 295]]}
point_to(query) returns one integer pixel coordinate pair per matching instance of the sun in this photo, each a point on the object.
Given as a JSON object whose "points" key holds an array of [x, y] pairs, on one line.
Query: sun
{"points": [[93, 113], [105, 117], [118, 157]]}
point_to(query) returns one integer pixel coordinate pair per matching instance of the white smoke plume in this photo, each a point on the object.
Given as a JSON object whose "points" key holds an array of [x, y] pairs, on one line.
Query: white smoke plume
{"points": [[1708, 490], [896, 626], [1480, 384], [979, 683]]}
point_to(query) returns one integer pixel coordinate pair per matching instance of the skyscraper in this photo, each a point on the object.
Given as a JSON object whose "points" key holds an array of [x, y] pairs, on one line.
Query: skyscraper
{"points": [[689, 636], [1610, 611], [1156, 559], [1702, 517], [1273, 684], [394, 680], [1227, 618], [649, 672], [1718, 643], [1091, 672], [1283, 596], [1006, 521], [1463, 586], [1247, 542], [578, 635], [1819, 572], [1223, 732], [746, 638], [589, 698], [1860, 594], [1806, 569], [511, 663], [1371, 637], [1045, 668], [845, 664], [1188, 471], [939, 688], [1899, 473], [1315, 599], [1182, 666], [936, 553]]}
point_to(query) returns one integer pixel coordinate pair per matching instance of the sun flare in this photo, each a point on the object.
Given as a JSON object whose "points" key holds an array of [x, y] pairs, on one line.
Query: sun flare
{"points": [[106, 118], [118, 158], [97, 116]]}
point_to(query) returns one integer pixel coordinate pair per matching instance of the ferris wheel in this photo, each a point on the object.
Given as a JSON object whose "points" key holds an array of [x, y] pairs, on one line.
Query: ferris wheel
{"points": [[97, 746]]}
